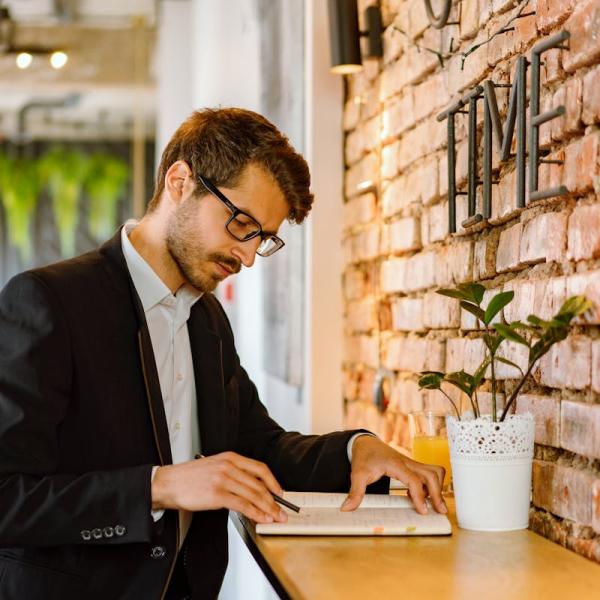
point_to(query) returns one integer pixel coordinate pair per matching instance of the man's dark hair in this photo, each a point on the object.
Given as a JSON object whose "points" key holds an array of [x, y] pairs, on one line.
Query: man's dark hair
{"points": [[219, 143]]}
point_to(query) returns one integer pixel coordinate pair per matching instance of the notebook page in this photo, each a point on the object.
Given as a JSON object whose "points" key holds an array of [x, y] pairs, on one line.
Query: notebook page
{"points": [[332, 500]]}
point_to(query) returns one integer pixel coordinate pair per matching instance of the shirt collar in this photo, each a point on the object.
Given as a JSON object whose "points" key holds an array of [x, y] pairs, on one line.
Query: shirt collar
{"points": [[150, 287]]}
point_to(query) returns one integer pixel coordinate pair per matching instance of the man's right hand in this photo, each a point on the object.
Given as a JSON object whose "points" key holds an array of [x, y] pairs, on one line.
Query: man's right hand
{"points": [[225, 480]]}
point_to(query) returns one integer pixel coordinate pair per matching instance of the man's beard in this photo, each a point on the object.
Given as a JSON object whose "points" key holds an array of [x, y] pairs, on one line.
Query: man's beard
{"points": [[184, 244]]}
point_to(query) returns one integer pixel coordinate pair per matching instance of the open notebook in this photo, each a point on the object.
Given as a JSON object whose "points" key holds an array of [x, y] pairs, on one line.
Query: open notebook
{"points": [[377, 515]]}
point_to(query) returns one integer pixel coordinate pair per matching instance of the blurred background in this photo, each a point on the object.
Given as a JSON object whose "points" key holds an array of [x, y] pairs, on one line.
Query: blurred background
{"points": [[90, 93]]}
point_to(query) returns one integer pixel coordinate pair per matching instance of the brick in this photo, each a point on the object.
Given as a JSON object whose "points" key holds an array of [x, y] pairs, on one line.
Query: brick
{"points": [[429, 173], [454, 264], [413, 354], [364, 245], [351, 114], [586, 284], [569, 96], [440, 312], [469, 19], [546, 410], [504, 200], [421, 272], [398, 117], [394, 198], [403, 235], [393, 45], [486, 407], [500, 6], [550, 13], [580, 428], [596, 365], [425, 138], [544, 238], [361, 316], [591, 97], [393, 275], [407, 396], [525, 29], [389, 160], [516, 353], [484, 258], [362, 349], [584, 232], [522, 304], [371, 103], [567, 364], [552, 66], [455, 354], [407, 314], [584, 24], [581, 168], [549, 296], [430, 96], [563, 491], [434, 224], [364, 170], [507, 255], [355, 284], [474, 354], [359, 210], [417, 18]]}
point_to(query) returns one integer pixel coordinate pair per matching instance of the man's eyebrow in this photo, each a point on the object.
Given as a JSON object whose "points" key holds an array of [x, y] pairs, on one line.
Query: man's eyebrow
{"points": [[249, 214]]}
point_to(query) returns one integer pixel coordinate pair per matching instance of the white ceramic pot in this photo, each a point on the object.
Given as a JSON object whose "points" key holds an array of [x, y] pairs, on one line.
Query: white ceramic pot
{"points": [[491, 471]]}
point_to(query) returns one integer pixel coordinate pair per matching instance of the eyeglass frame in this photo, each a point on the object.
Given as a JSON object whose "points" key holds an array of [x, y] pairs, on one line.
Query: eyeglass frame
{"points": [[235, 211]]}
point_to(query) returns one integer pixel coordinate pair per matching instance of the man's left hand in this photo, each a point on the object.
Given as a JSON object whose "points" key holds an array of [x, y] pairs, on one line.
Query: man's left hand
{"points": [[372, 459]]}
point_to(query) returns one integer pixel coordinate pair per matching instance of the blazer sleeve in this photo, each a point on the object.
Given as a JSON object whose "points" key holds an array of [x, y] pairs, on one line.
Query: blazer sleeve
{"points": [[38, 505], [299, 462]]}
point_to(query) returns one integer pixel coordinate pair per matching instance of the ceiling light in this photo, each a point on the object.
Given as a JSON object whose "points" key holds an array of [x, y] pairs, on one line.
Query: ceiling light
{"points": [[58, 60], [24, 60]]}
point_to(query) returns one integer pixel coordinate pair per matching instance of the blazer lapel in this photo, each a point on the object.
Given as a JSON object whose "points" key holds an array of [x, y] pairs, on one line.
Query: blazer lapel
{"points": [[119, 273], [208, 373]]}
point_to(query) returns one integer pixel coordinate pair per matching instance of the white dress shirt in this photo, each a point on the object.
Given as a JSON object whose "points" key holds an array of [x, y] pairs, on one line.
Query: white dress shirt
{"points": [[166, 315]]}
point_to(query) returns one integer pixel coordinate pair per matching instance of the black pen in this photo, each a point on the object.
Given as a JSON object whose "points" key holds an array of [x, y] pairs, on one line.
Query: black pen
{"points": [[277, 498]]}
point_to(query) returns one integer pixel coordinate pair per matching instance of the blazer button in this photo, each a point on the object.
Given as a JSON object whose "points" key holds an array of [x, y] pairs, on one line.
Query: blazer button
{"points": [[158, 552], [120, 530], [108, 532], [86, 534], [97, 533]]}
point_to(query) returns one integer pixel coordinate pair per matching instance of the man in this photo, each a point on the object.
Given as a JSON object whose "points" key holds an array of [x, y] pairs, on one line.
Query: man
{"points": [[118, 368]]}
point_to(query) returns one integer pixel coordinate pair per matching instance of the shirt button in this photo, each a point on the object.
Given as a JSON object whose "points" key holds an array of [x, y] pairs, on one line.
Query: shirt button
{"points": [[108, 532], [97, 533], [158, 552], [177, 426], [86, 534], [179, 377]]}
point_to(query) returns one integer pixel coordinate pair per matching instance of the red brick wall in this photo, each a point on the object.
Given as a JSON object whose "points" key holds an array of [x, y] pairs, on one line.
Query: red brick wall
{"points": [[398, 252]]}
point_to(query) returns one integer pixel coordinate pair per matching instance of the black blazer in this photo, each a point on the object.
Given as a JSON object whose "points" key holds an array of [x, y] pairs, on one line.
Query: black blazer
{"points": [[82, 423]]}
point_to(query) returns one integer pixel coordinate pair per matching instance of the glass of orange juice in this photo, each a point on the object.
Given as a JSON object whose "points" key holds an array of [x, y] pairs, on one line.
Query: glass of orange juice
{"points": [[429, 440]]}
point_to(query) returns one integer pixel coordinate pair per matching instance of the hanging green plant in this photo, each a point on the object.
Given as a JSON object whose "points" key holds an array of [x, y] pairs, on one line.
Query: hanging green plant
{"points": [[64, 172], [20, 187], [105, 183]]}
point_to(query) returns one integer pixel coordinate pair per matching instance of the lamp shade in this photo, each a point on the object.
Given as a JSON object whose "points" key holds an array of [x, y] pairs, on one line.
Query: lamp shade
{"points": [[344, 36]]}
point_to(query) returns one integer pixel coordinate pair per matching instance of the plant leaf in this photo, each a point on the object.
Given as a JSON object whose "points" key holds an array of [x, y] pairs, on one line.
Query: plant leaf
{"points": [[509, 333], [575, 305], [480, 373], [463, 381], [473, 309], [431, 380], [493, 342], [510, 363], [497, 303], [453, 294], [474, 291]]}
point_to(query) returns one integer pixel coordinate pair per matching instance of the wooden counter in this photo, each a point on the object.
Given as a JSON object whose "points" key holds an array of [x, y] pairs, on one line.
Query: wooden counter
{"points": [[467, 565]]}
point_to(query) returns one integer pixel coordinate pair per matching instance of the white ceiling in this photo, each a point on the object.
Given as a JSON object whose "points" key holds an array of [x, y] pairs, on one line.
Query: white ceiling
{"points": [[98, 11]]}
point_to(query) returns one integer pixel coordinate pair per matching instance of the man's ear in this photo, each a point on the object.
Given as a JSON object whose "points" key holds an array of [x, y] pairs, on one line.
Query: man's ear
{"points": [[177, 180]]}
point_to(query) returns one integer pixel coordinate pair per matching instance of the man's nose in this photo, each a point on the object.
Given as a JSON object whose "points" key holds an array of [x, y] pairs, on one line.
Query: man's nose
{"points": [[246, 251]]}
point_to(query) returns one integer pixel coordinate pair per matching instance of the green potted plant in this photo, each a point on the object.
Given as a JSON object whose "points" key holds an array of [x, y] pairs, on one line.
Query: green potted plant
{"points": [[19, 192], [491, 454]]}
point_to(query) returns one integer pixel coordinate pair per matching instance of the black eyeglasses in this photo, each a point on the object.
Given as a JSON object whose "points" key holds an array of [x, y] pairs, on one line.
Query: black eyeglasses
{"points": [[242, 226]]}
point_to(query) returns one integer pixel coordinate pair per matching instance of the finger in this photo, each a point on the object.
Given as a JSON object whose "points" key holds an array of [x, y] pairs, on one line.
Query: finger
{"points": [[435, 490], [260, 470], [358, 487], [264, 502], [238, 504], [416, 491]]}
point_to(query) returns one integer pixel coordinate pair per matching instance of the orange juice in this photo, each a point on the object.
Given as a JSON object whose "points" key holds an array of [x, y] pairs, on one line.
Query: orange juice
{"points": [[434, 451]]}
